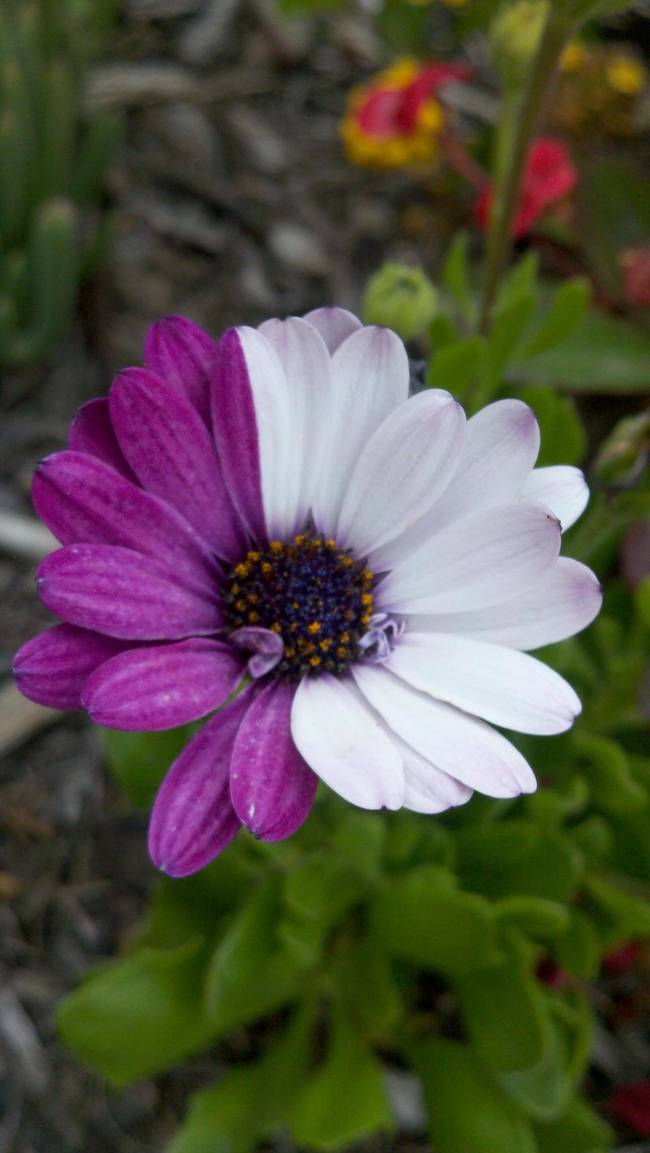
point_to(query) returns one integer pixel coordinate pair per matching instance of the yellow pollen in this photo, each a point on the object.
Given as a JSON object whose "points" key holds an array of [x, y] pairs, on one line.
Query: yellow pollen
{"points": [[314, 662], [253, 617], [275, 627], [267, 568], [276, 546], [241, 570], [314, 627]]}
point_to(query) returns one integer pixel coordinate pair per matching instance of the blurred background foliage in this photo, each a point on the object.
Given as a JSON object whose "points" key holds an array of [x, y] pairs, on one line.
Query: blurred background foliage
{"points": [[468, 958]]}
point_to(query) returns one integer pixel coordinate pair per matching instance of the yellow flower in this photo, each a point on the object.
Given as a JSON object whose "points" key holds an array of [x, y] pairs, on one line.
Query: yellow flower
{"points": [[625, 74]]}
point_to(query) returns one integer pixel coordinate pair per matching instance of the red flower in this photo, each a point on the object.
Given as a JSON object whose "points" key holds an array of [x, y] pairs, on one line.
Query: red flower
{"points": [[549, 177], [631, 1106], [623, 959]]}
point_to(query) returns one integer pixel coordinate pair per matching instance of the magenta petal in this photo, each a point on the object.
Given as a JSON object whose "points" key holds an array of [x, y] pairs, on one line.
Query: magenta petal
{"points": [[91, 431], [82, 500], [173, 455], [124, 594], [183, 354], [235, 432], [53, 667], [271, 786], [265, 646], [160, 687], [193, 819]]}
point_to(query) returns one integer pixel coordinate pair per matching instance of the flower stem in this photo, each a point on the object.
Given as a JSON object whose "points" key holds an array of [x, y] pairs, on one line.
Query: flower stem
{"points": [[518, 126]]}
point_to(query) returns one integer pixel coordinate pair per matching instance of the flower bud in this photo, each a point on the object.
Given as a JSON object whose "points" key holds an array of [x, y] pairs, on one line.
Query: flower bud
{"points": [[514, 38], [401, 298]]}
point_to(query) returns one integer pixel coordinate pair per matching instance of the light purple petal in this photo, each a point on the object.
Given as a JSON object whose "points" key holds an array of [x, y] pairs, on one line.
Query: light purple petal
{"points": [[235, 432], [82, 500], [91, 431], [266, 646], [271, 786], [334, 325], [173, 455], [561, 602], [124, 594], [346, 743], [53, 667], [183, 355], [561, 488], [460, 745], [161, 687], [193, 820]]}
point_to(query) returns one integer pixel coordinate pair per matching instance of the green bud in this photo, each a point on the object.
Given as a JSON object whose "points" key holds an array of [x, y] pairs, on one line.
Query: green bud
{"points": [[401, 298], [514, 38]]}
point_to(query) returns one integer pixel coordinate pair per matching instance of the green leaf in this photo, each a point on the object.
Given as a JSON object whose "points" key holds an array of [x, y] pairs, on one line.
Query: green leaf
{"points": [[579, 949], [535, 916], [458, 366], [607, 769], [468, 1113], [422, 918], [613, 197], [140, 760], [578, 1130], [455, 275], [317, 895], [520, 280], [567, 310], [139, 1016], [368, 991], [518, 857], [603, 355], [563, 436], [345, 1098], [252, 973], [508, 327], [252, 1100], [506, 1016], [620, 915]]}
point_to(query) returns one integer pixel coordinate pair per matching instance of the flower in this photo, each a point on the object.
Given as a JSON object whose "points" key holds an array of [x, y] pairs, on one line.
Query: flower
{"points": [[598, 89], [269, 526], [396, 119], [549, 177], [630, 1104]]}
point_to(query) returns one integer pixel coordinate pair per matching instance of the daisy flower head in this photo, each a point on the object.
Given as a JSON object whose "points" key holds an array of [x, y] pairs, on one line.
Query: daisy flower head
{"points": [[270, 526], [549, 178], [396, 119]]}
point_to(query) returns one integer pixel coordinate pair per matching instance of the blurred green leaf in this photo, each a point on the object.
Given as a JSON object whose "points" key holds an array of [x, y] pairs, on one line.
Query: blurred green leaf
{"points": [[457, 366], [517, 857], [344, 1099], [467, 1111], [455, 276], [139, 1016], [141, 760], [563, 436], [535, 916], [424, 919], [578, 1130], [505, 1015], [603, 355], [614, 202], [568, 308]]}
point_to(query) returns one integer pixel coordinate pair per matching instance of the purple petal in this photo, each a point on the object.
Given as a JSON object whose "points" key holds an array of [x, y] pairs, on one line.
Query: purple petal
{"points": [[146, 690], [266, 646], [235, 431], [183, 354], [172, 453], [124, 594], [193, 819], [53, 667], [91, 431], [81, 499], [271, 786]]}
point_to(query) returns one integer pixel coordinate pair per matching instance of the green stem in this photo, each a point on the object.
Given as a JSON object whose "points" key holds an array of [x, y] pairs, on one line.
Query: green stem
{"points": [[518, 126]]}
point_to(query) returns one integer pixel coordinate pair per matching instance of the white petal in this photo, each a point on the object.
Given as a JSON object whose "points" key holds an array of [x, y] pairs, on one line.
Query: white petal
{"points": [[370, 377], [334, 325], [564, 600], [402, 470], [306, 363], [279, 465], [562, 489], [499, 684], [482, 560], [501, 447], [461, 746], [338, 735], [428, 789]]}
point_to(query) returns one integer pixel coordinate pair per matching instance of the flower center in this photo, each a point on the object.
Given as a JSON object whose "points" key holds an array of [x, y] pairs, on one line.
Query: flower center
{"points": [[310, 592]]}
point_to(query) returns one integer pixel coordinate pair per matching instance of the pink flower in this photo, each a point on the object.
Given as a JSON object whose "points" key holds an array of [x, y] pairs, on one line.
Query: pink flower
{"points": [[272, 528], [549, 177]]}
